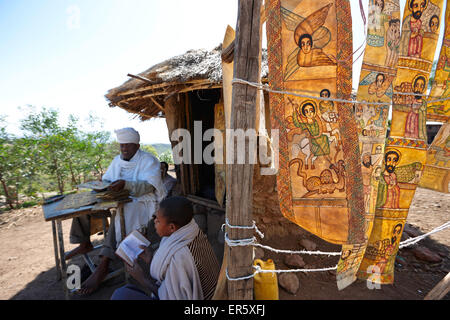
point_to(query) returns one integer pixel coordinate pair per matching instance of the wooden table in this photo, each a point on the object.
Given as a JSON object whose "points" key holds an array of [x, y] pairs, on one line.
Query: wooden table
{"points": [[56, 216]]}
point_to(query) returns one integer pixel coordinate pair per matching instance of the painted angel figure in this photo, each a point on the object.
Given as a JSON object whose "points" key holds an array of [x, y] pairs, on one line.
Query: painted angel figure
{"points": [[310, 37], [379, 84]]}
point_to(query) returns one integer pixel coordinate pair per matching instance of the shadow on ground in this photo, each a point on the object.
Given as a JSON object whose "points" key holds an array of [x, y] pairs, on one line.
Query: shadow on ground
{"points": [[414, 278], [46, 286]]}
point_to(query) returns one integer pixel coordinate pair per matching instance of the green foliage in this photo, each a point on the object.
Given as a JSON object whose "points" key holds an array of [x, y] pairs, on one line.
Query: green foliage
{"points": [[150, 149], [162, 147], [166, 157], [50, 157], [161, 151]]}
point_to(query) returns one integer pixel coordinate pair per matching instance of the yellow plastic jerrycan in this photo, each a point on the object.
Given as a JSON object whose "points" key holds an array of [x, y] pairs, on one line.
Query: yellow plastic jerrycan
{"points": [[265, 284]]}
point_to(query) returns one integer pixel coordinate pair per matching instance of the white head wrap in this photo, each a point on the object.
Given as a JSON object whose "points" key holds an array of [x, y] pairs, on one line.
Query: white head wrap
{"points": [[127, 135]]}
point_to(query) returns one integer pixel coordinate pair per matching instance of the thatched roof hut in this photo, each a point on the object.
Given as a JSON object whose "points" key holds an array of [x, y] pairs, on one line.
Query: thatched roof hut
{"points": [[184, 89], [193, 70]]}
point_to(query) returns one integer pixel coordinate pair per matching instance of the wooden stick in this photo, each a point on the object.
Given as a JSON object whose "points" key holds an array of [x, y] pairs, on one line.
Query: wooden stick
{"points": [[139, 78], [441, 289], [160, 86], [62, 257], [239, 177], [205, 85], [205, 202], [55, 247], [157, 104]]}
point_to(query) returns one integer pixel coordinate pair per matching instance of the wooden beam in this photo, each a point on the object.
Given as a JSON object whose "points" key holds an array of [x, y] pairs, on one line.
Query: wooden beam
{"points": [[164, 92], [157, 104], [205, 202], [239, 177], [228, 52], [441, 289], [120, 105], [161, 85], [140, 78]]}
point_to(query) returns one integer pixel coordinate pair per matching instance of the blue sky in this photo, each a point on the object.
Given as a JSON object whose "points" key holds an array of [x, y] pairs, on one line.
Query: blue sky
{"points": [[67, 54]]}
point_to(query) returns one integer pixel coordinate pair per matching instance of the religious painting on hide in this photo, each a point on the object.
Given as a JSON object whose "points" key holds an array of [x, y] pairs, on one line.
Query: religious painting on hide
{"points": [[406, 146], [436, 175], [440, 110], [310, 51], [379, 69]]}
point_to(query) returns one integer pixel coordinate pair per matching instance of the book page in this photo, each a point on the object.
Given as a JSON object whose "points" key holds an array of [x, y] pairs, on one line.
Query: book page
{"points": [[130, 246]]}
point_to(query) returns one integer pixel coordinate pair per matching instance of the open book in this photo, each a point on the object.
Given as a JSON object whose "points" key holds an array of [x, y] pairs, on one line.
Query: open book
{"points": [[129, 250]]}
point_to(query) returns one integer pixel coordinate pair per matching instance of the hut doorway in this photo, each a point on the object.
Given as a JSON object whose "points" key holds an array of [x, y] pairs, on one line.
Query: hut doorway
{"points": [[201, 108]]}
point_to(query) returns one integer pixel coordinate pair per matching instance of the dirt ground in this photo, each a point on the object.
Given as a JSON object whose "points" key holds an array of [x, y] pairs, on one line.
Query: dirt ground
{"points": [[27, 264]]}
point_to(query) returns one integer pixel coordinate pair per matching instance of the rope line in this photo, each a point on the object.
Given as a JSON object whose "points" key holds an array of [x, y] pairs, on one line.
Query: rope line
{"points": [[252, 242], [227, 223], [268, 89], [412, 241]]}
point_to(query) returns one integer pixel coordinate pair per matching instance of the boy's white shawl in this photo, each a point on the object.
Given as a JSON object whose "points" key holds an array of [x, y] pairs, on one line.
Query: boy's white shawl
{"points": [[174, 268]]}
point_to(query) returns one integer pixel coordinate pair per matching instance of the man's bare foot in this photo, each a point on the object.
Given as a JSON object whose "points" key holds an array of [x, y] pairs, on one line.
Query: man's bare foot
{"points": [[93, 282], [83, 248]]}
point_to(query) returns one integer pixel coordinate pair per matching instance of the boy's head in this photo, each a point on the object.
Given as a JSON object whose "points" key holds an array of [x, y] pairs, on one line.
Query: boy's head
{"points": [[173, 214]]}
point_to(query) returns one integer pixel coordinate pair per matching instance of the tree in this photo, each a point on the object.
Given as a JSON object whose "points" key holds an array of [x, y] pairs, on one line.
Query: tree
{"points": [[5, 165], [42, 130], [166, 157], [150, 149], [17, 167]]}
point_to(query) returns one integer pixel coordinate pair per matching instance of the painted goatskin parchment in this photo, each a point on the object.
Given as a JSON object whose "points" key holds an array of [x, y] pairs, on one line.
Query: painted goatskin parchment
{"points": [[319, 180], [436, 175], [378, 72], [406, 146], [440, 111]]}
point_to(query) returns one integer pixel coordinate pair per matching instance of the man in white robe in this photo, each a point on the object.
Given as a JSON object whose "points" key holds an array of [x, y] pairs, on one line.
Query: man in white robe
{"points": [[139, 173]]}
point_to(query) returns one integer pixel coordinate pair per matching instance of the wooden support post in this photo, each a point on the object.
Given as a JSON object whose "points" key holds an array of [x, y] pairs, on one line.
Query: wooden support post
{"points": [[441, 289], [62, 258], [239, 177], [55, 248]]}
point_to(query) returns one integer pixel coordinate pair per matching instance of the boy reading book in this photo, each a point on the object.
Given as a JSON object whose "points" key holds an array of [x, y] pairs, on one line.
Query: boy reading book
{"points": [[183, 268], [130, 248]]}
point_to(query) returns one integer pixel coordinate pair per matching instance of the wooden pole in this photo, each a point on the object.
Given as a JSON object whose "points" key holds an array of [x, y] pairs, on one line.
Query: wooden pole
{"points": [[239, 177], [55, 248], [441, 289]]}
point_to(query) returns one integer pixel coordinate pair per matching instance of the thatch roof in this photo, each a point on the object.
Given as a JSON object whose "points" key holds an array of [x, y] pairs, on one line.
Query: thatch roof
{"points": [[194, 70]]}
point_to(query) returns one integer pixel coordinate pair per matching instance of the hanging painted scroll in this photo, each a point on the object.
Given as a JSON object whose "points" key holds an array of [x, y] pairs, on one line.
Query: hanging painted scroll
{"points": [[406, 147], [440, 110], [436, 175], [319, 179], [378, 72]]}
